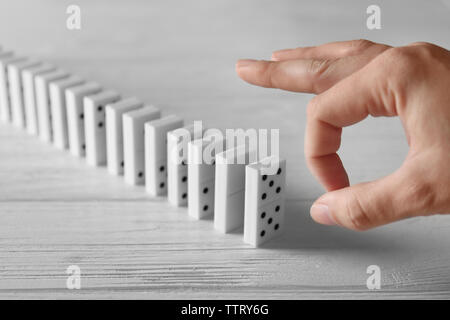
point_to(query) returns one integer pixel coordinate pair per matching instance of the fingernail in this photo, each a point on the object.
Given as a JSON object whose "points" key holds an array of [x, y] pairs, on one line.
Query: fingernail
{"points": [[244, 62], [276, 54], [281, 51], [321, 214]]}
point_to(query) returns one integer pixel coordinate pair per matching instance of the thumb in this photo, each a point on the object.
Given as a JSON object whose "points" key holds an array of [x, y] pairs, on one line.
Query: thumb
{"points": [[403, 194]]}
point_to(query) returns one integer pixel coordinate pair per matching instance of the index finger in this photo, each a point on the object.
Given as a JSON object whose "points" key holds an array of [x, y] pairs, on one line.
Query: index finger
{"points": [[332, 50]]}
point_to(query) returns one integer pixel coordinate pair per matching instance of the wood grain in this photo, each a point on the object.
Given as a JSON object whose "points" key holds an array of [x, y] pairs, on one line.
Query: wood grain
{"points": [[55, 211]]}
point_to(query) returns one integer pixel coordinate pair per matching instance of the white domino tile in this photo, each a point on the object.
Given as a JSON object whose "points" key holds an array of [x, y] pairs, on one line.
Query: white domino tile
{"points": [[229, 197], [75, 115], [201, 174], [133, 142], [95, 126], [177, 164], [6, 58], [29, 94], [114, 132], [16, 90], [156, 153], [265, 183], [59, 110], [44, 114]]}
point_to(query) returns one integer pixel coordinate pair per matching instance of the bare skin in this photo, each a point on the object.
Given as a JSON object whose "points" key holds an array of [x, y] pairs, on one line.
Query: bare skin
{"points": [[355, 79]]}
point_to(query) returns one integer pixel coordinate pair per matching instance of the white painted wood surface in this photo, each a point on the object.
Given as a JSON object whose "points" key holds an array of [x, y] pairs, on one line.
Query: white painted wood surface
{"points": [[56, 211]]}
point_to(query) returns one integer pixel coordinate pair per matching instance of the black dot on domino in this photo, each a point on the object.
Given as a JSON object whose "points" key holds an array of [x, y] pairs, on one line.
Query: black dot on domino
{"points": [[82, 116], [277, 208], [269, 221], [276, 227], [263, 233], [205, 207], [161, 168], [205, 190], [140, 174], [263, 215], [264, 196], [184, 179], [122, 164], [264, 177], [271, 183], [99, 108], [278, 189], [279, 171], [184, 195], [161, 185], [100, 124]]}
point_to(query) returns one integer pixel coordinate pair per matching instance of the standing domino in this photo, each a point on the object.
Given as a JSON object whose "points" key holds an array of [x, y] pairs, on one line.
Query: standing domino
{"points": [[43, 102], [59, 110], [6, 58], [201, 173], [75, 115], [229, 200], [177, 171], [133, 142], [16, 90], [29, 93], [264, 200], [114, 132], [156, 153], [94, 128]]}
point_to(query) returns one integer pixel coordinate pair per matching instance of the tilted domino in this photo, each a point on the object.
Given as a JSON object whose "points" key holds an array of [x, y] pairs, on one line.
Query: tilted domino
{"points": [[177, 170], [59, 110], [29, 94], [16, 90], [133, 142], [75, 115], [6, 58], [156, 153], [94, 125], [114, 132], [201, 174], [264, 200], [229, 200], [43, 102]]}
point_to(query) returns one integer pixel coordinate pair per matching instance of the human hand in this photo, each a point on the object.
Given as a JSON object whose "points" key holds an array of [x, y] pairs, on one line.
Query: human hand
{"points": [[354, 79]]}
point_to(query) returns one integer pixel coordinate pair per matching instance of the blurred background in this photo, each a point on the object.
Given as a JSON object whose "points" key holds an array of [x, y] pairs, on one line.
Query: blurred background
{"points": [[180, 55]]}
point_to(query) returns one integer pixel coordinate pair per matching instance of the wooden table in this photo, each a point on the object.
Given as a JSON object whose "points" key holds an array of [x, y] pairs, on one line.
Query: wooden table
{"points": [[55, 211]]}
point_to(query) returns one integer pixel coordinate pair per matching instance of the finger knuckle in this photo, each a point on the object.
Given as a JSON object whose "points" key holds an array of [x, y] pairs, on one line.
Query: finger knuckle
{"points": [[422, 44], [422, 196], [398, 55], [318, 67], [319, 71], [359, 45], [397, 62], [357, 215]]}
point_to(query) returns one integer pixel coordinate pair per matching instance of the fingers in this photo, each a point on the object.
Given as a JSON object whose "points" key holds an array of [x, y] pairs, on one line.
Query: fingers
{"points": [[311, 76], [365, 205], [348, 102], [398, 196], [333, 50]]}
